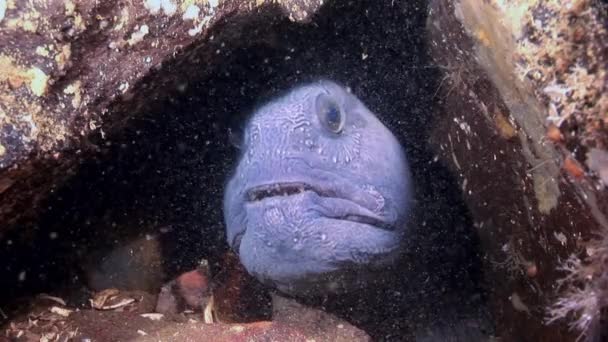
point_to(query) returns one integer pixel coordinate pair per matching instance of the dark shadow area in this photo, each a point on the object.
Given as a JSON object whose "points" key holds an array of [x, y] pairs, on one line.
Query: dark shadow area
{"points": [[162, 176]]}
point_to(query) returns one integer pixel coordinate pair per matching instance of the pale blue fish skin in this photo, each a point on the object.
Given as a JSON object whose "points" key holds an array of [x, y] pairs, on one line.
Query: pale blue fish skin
{"points": [[322, 189]]}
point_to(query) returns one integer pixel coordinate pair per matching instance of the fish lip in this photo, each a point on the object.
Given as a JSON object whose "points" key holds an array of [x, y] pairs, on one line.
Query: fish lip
{"points": [[259, 193]]}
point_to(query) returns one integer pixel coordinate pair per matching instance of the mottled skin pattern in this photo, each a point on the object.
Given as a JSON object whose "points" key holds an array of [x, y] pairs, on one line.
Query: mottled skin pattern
{"points": [[322, 190]]}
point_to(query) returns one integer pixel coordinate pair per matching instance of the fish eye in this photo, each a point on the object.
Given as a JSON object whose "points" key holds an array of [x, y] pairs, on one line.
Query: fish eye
{"points": [[330, 114]]}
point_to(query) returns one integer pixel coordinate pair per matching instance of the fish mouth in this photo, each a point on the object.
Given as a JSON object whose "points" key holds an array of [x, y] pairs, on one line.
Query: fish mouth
{"points": [[259, 193]]}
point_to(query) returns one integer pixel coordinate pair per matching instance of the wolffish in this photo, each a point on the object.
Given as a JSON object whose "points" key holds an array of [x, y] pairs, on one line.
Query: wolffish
{"points": [[320, 194]]}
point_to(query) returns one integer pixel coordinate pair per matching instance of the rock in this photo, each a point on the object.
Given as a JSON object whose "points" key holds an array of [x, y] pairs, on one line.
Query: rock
{"points": [[293, 323], [59, 85], [136, 265], [313, 322], [532, 201]]}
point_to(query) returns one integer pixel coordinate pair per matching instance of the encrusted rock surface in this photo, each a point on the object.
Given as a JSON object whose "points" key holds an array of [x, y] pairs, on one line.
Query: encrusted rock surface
{"points": [[63, 64], [520, 163]]}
